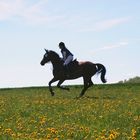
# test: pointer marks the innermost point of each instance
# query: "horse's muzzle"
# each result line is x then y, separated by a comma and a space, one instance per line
42, 64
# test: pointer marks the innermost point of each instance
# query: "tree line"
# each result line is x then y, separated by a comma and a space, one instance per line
131, 80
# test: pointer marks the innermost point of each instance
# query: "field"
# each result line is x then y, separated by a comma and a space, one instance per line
106, 112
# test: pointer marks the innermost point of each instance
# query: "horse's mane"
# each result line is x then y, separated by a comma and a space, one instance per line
56, 55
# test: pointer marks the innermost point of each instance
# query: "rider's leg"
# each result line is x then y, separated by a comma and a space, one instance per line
67, 61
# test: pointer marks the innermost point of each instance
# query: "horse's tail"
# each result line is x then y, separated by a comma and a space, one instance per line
101, 69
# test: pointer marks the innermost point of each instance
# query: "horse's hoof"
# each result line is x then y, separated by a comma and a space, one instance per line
81, 95
77, 97
52, 93
67, 89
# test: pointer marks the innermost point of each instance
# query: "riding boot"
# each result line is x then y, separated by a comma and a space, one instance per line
67, 71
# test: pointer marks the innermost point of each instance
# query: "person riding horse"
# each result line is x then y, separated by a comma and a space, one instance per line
67, 57
85, 69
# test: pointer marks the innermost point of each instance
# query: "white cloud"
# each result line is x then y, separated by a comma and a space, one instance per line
31, 13
35, 12
118, 45
106, 24
113, 46
111, 23
28, 12
8, 8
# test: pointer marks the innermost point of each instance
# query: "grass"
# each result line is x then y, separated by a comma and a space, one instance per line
106, 112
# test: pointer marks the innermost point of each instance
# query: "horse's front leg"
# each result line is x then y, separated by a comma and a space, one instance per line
61, 87
50, 87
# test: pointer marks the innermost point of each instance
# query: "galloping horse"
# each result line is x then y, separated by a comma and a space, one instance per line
77, 69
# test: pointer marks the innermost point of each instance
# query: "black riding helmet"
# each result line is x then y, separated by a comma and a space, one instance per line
61, 44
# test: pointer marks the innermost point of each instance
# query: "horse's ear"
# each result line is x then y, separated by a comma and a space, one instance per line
46, 50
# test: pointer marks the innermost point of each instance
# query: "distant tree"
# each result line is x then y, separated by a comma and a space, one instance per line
131, 80
120, 82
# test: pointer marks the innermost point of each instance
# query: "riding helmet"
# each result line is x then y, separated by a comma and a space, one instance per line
61, 44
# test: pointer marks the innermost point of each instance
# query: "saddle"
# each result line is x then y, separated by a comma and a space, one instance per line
70, 68
74, 62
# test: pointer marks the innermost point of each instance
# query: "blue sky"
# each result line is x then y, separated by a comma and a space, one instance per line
101, 31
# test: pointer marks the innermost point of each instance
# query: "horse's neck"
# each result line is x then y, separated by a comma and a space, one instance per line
56, 64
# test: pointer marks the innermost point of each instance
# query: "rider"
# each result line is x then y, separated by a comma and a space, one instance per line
67, 55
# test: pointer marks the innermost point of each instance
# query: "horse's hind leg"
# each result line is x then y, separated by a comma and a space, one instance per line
83, 91
86, 86
90, 83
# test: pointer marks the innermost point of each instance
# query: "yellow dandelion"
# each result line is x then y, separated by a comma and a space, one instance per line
87, 129
8, 131
133, 134
48, 136
54, 131
43, 120
111, 137
55, 139
81, 128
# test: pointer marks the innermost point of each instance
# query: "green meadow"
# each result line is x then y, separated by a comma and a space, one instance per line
105, 112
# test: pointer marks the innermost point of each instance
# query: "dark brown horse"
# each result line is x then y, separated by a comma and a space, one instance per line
77, 69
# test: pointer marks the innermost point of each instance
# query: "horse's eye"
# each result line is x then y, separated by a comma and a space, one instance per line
46, 55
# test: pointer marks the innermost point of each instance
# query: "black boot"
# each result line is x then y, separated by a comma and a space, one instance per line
67, 71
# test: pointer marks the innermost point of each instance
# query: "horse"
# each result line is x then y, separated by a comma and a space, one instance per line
78, 69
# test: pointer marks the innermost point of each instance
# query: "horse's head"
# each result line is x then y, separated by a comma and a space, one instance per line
50, 56
46, 58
